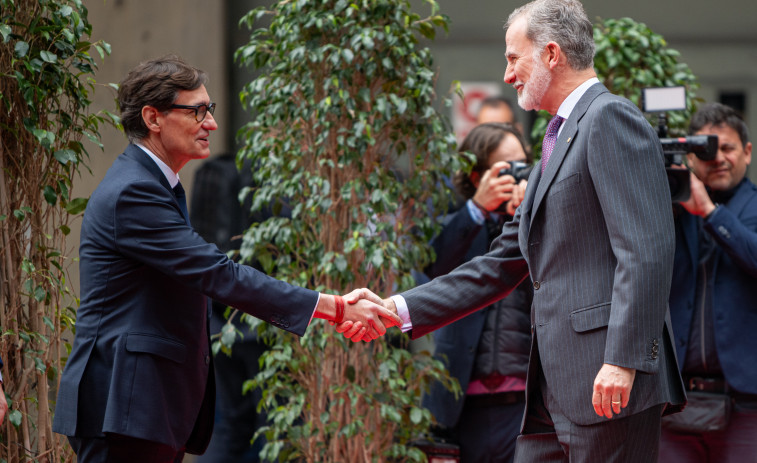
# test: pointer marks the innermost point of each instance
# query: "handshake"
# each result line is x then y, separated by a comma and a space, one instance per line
360, 315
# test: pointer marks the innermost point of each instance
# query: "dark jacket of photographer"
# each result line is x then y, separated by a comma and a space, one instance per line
714, 291
487, 343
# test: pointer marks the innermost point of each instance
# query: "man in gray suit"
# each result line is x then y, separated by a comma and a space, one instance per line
595, 233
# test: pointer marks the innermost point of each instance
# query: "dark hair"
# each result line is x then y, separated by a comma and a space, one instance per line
497, 101
154, 83
718, 114
563, 22
482, 141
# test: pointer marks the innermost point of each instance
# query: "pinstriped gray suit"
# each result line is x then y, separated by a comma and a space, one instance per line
595, 232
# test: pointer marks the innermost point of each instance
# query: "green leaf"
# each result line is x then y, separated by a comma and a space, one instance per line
48, 57
21, 49
15, 418
5, 31
40, 294
39, 364
50, 195
66, 156
48, 322
76, 206
416, 415
228, 335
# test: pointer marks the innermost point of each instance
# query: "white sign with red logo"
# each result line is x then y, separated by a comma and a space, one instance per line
464, 110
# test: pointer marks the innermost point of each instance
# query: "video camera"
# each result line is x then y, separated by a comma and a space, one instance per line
705, 147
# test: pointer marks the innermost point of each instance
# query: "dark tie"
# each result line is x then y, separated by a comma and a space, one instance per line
549, 140
181, 197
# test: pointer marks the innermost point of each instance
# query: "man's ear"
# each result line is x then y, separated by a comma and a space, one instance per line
553, 54
152, 117
748, 152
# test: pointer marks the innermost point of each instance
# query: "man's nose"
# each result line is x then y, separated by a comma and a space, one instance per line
209, 123
509, 75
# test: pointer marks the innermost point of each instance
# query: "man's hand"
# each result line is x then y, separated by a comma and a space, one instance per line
493, 190
3, 405
519, 191
366, 316
699, 203
355, 330
612, 389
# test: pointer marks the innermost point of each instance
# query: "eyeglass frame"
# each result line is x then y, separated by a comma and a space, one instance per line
209, 108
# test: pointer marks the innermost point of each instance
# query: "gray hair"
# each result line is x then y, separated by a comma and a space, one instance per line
563, 22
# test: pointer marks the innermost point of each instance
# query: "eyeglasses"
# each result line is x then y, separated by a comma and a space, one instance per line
200, 109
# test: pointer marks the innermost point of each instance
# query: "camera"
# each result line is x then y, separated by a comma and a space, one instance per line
705, 147
520, 171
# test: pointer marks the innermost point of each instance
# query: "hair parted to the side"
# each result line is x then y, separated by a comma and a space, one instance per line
482, 141
718, 114
155, 83
563, 22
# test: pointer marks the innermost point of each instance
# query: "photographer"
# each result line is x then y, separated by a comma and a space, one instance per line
486, 351
713, 301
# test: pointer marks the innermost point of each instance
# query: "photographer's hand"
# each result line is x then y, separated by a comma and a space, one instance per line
519, 192
493, 190
699, 202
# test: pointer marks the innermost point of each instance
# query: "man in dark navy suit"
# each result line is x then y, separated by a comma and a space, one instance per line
138, 385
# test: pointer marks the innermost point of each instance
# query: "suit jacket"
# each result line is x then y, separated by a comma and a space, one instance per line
734, 299
141, 362
596, 234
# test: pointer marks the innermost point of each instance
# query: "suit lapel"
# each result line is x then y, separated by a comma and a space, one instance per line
563, 144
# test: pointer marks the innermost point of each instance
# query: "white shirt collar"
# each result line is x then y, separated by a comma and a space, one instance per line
570, 102
171, 176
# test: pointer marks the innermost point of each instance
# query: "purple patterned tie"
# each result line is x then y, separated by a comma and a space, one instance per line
549, 140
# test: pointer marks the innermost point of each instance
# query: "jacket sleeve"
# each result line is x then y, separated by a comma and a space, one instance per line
736, 237
469, 287
150, 229
628, 174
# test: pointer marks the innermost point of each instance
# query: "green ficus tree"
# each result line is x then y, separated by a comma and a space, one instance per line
345, 134
46, 80
630, 57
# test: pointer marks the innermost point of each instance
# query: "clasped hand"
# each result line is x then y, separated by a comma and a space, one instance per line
368, 330
366, 317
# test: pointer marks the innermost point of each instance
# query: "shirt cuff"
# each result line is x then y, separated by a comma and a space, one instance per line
314, 308
475, 212
403, 313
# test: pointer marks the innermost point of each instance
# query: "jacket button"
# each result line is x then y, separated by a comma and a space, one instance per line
537, 285
207, 360
655, 349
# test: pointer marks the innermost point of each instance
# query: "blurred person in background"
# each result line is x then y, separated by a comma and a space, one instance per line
486, 351
498, 108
